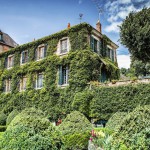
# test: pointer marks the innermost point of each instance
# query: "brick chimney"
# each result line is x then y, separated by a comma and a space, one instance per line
68, 26
99, 26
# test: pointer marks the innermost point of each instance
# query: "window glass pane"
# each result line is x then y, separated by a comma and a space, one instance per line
39, 81
63, 46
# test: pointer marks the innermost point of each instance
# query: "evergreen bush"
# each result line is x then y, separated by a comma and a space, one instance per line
76, 129
30, 130
134, 127
115, 120
3, 118
11, 116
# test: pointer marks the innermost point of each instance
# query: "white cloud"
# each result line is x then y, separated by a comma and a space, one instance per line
80, 2
124, 1
123, 61
113, 27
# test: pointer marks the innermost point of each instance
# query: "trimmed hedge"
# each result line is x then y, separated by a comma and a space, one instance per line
109, 100
133, 124
3, 118
115, 120
30, 130
3, 128
11, 116
75, 131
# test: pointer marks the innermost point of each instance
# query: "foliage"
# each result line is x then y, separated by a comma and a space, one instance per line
1, 135
109, 100
11, 116
115, 120
3, 128
81, 102
30, 130
135, 32
3, 118
77, 140
77, 128
134, 126
140, 68
84, 66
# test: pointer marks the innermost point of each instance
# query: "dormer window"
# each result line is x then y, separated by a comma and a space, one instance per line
1, 35
41, 52
24, 57
10, 61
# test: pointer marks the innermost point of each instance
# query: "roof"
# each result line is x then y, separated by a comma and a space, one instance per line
56, 35
7, 40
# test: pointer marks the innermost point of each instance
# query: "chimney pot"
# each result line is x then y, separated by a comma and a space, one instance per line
68, 25
99, 26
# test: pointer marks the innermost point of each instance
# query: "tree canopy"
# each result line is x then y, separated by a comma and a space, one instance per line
135, 34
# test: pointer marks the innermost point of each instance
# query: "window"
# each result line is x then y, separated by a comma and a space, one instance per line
63, 46
95, 44
39, 81
110, 53
41, 52
7, 86
10, 61
1, 37
63, 75
23, 84
24, 57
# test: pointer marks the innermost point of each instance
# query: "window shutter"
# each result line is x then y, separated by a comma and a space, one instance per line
13, 61
4, 85
100, 48
92, 42
23, 57
6, 62
35, 54
60, 75
45, 50
112, 55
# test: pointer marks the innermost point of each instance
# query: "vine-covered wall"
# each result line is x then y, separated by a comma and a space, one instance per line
84, 66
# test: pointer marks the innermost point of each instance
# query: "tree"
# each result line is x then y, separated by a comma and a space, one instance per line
140, 68
135, 34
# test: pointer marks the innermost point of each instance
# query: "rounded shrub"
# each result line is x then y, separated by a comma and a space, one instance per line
3, 118
30, 130
75, 131
132, 125
11, 116
115, 120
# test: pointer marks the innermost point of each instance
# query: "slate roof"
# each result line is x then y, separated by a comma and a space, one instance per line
7, 40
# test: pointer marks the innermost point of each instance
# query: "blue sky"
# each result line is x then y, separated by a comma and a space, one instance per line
25, 20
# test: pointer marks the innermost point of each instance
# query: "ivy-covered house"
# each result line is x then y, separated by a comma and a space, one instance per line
70, 58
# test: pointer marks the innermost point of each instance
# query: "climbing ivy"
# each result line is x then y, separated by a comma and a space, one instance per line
84, 66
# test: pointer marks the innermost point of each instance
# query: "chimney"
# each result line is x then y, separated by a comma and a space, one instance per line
99, 26
68, 26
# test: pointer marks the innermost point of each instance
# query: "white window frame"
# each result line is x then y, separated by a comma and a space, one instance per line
8, 61
40, 53
21, 57
23, 84
59, 46
8, 85
37, 80
110, 54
